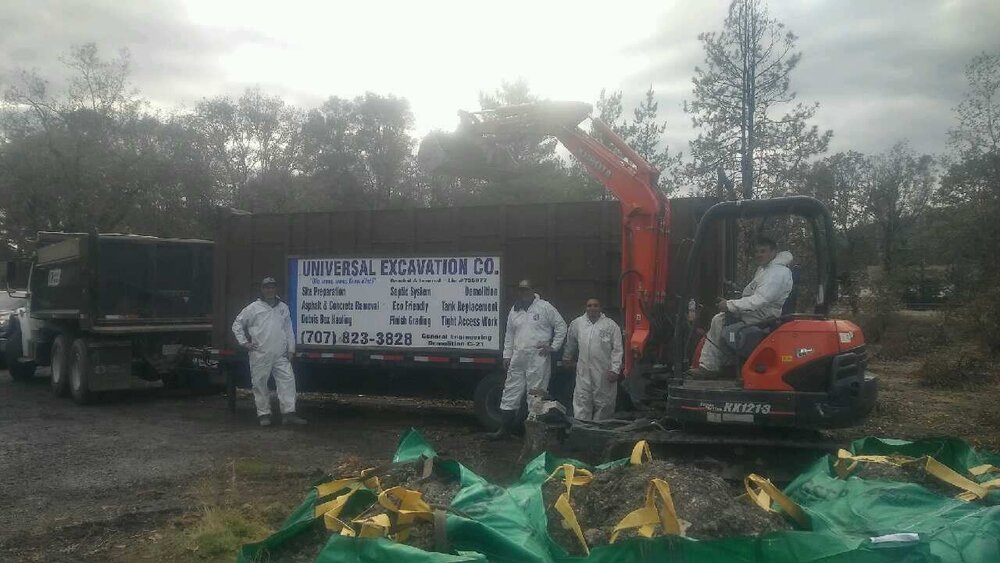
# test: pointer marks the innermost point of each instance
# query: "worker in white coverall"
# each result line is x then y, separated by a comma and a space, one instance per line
762, 299
535, 330
264, 328
594, 346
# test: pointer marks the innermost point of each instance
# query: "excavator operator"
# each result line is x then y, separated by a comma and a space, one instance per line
762, 299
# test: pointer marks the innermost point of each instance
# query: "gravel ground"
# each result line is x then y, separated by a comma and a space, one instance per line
72, 475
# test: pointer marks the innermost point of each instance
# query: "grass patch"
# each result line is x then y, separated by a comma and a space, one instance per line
249, 468
886, 409
220, 532
276, 513
241, 501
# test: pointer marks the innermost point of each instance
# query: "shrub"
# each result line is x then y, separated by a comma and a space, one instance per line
958, 368
875, 311
982, 313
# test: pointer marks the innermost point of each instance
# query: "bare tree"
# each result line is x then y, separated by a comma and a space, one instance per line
899, 186
971, 186
978, 130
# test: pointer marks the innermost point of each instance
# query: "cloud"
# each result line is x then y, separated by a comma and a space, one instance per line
172, 59
890, 71
882, 71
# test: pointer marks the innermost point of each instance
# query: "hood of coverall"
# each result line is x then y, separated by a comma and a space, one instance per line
784, 258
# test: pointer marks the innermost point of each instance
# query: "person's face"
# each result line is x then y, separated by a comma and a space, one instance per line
763, 254
525, 294
593, 309
268, 291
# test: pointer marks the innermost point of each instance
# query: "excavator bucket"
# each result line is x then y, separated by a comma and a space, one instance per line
486, 143
542, 117
463, 155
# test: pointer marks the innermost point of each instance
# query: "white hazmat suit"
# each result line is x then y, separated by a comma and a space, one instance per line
269, 329
598, 348
762, 299
540, 324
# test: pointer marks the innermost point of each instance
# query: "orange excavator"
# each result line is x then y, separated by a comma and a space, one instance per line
801, 370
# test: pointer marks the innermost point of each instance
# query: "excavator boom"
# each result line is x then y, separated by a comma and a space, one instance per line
479, 148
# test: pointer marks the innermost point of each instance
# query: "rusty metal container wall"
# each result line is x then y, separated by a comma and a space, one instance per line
571, 251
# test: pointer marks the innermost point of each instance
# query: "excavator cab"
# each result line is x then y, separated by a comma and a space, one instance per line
802, 370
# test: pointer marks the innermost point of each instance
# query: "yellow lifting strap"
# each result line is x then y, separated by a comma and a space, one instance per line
570, 521
409, 508
640, 453
375, 527
846, 463
983, 469
408, 505
650, 516
335, 524
366, 478
762, 492
410, 502
330, 510
989, 486
572, 475
944, 473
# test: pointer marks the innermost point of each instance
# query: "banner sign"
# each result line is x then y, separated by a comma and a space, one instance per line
445, 302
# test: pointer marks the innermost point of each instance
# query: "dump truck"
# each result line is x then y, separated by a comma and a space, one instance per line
112, 312
413, 302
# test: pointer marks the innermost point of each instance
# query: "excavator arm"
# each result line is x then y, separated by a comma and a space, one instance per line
478, 149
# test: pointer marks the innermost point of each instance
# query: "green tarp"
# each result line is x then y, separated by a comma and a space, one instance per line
853, 520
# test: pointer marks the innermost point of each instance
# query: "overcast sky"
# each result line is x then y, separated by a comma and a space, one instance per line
882, 70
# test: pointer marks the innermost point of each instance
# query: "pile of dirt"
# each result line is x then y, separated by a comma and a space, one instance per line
905, 474
707, 505
438, 491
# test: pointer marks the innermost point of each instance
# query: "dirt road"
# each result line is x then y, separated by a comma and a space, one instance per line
75, 480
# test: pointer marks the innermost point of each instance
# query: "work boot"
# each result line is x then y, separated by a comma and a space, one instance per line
264, 419
292, 418
506, 422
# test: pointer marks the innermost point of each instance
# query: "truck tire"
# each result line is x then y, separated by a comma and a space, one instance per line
19, 371
487, 399
61, 365
80, 372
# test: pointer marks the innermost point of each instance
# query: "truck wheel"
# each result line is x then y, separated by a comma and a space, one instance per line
61, 365
487, 399
80, 372
19, 371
